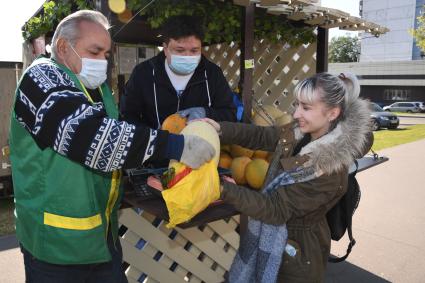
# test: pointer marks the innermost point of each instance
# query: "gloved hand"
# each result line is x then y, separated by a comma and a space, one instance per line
193, 113
196, 151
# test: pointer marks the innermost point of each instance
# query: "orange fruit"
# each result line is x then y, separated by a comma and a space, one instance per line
255, 173
174, 123
125, 16
225, 160
238, 169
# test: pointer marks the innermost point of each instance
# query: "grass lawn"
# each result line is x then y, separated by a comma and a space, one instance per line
408, 114
390, 138
7, 221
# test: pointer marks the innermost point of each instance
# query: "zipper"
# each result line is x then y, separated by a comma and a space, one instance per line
178, 103
179, 94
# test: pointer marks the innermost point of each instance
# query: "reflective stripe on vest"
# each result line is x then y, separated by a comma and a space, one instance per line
65, 222
113, 196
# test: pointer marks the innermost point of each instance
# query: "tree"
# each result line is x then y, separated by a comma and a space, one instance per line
344, 49
419, 32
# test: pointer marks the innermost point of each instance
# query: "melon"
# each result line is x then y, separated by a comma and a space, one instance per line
260, 154
207, 132
225, 147
238, 169
255, 173
268, 115
174, 124
238, 151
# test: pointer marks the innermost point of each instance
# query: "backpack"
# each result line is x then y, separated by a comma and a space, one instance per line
340, 216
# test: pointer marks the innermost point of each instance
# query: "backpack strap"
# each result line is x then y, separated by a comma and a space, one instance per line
335, 259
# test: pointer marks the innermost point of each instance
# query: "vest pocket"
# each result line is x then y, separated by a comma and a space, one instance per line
71, 240
72, 223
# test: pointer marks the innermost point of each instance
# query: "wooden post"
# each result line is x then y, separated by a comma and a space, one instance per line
322, 50
247, 59
245, 82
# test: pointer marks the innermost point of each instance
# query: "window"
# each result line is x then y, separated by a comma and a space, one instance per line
397, 94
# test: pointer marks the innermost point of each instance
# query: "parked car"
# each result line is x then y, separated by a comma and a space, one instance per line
421, 105
383, 119
409, 107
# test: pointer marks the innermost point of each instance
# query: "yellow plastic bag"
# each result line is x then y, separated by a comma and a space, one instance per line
193, 193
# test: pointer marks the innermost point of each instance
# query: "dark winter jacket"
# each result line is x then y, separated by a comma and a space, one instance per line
302, 206
207, 88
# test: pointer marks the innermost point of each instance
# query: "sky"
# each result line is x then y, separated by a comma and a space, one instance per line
15, 13
349, 6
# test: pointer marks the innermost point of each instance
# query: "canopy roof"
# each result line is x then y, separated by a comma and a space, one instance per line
312, 14
306, 12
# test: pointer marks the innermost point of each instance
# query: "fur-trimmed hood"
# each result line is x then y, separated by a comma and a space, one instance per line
338, 148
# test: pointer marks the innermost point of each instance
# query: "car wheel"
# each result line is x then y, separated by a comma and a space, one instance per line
375, 125
388, 110
409, 111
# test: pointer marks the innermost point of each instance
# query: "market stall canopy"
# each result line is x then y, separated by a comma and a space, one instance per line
304, 12
310, 13
299, 12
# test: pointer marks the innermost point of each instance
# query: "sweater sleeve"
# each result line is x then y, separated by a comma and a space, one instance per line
59, 116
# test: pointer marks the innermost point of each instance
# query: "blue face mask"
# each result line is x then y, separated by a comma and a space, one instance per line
184, 65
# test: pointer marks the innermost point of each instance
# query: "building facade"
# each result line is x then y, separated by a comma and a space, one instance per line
389, 81
391, 67
397, 44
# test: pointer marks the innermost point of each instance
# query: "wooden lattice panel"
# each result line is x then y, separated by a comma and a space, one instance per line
278, 67
158, 254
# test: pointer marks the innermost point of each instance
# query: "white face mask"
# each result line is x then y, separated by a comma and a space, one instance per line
184, 65
93, 71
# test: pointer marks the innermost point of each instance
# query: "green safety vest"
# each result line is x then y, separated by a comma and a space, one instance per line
63, 209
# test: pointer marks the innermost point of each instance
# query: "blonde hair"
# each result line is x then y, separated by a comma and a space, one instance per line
335, 91
69, 29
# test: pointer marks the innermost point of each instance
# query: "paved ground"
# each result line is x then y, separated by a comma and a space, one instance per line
389, 226
11, 261
409, 120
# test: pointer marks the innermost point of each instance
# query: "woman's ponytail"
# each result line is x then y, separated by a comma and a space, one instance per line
352, 87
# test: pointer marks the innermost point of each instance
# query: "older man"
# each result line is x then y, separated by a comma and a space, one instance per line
179, 79
66, 151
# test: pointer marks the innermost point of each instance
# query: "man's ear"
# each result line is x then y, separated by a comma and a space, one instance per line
165, 48
62, 47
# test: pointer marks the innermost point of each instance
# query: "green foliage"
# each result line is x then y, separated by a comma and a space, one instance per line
419, 33
53, 12
344, 49
221, 20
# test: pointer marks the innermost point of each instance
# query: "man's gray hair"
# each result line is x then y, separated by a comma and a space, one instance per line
69, 29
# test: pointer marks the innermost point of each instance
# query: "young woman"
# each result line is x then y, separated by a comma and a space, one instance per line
306, 177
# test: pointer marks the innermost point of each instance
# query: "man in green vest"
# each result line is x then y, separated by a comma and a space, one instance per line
67, 149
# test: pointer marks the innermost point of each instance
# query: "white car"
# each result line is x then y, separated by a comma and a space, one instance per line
409, 107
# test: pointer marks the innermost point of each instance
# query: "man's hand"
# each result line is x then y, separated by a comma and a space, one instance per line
196, 151
193, 113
